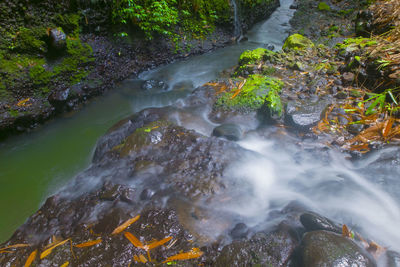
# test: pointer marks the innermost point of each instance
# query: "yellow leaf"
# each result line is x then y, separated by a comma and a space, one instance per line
136, 258
31, 258
194, 253
136, 242
125, 225
49, 250
65, 264
22, 103
16, 246
88, 243
142, 258
6, 251
158, 243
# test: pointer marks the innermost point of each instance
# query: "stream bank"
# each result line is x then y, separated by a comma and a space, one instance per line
197, 193
57, 57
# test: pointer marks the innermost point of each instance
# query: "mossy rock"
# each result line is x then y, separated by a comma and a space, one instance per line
322, 6
297, 42
69, 23
255, 56
256, 92
30, 41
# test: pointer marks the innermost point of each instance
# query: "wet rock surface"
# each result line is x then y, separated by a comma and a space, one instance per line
322, 248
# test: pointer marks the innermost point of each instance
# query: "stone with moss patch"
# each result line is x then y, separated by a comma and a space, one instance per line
297, 42
257, 91
255, 56
30, 41
322, 6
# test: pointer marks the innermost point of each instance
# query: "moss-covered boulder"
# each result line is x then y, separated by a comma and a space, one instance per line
255, 56
297, 42
258, 90
322, 6
31, 41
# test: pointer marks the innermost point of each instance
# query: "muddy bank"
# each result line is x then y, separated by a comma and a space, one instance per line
56, 57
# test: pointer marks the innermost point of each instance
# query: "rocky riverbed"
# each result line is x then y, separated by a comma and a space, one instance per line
163, 188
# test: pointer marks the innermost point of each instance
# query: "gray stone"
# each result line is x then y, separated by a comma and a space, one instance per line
58, 39
229, 130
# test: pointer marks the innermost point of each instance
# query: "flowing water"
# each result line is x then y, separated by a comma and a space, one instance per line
362, 194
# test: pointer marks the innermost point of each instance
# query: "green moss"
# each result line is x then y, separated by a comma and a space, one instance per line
358, 42
39, 75
30, 41
79, 55
13, 113
297, 42
257, 91
255, 56
322, 6
69, 23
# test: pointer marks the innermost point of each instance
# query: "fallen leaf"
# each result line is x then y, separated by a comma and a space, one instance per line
47, 252
125, 225
16, 246
158, 243
345, 231
22, 103
88, 243
142, 258
31, 258
65, 264
194, 253
6, 251
136, 242
387, 126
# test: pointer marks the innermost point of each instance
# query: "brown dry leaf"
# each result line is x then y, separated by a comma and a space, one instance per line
158, 243
31, 258
47, 252
362, 148
88, 243
23, 103
136, 242
194, 253
125, 225
375, 249
345, 231
387, 127
6, 251
65, 264
15, 246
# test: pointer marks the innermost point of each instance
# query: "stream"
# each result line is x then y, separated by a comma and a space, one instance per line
362, 193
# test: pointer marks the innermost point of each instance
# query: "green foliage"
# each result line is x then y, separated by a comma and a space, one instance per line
358, 42
379, 102
172, 18
257, 91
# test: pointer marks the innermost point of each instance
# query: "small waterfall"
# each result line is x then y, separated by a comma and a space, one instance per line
238, 27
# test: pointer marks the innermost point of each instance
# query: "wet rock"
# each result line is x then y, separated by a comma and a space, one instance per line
58, 99
154, 85
363, 25
58, 39
239, 231
393, 259
229, 130
323, 248
312, 222
348, 78
146, 194
110, 192
263, 249
355, 128
303, 115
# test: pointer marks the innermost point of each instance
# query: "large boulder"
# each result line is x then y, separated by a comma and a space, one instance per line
323, 248
297, 42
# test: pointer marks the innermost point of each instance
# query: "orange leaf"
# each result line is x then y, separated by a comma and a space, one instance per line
88, 243
16, 246
158, 243
136, 258
47, 252
345, 231
142, 258
136, 242
194, 253
65, 264
31, 258
6, 251
22, 103
387, 126
125, 225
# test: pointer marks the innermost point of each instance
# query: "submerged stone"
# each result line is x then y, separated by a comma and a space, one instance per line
229, 130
